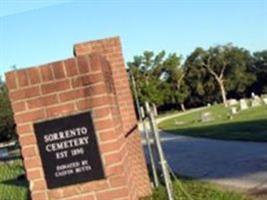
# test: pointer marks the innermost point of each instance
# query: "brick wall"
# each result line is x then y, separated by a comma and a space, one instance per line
95, 81
111, 49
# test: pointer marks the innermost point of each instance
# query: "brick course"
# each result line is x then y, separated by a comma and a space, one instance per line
111, 49
94, 80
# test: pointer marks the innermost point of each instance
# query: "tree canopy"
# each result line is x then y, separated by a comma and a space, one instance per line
205, 76
159, 78
220, 68
7, 125
259, 68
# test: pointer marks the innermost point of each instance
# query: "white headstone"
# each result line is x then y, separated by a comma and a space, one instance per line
179, 122
232, 102
264, 98
206, 117
243, 104
256, 101
233, 110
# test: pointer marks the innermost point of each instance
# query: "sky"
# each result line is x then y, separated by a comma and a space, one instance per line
42, 31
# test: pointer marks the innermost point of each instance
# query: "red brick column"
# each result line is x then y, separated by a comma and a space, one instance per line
68, 87
111, 49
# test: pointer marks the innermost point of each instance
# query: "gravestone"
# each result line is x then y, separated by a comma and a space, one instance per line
243, 104
207, 117
256, 101
232, 102
233, 110
77, 128
264, 99
177, 122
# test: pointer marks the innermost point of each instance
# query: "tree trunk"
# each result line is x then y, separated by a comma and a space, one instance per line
223, 92
182, 107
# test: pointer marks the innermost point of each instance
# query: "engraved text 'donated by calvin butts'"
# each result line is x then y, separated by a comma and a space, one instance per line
69, 150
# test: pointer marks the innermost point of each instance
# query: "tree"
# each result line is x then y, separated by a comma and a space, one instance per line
215, 61
175, 78
144, 69
259, 67
200, 82
159, 80
227, 65
238, 77
7, 124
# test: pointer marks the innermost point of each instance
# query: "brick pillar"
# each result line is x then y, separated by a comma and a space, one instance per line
68, 87
111, 49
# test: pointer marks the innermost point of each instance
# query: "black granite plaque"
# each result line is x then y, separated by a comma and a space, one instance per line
69, 150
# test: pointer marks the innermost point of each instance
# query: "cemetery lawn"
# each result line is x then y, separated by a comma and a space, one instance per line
246, 125
10, 187
196, 190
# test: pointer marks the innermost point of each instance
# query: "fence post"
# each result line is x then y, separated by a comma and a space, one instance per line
163, 162
141, 115
150, 152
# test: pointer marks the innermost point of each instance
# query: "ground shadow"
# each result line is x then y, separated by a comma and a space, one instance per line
10, 158
255, 130
19, 181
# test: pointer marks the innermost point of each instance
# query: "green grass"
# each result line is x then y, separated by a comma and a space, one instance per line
198, 190
13, 189
10, 187
247, 125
